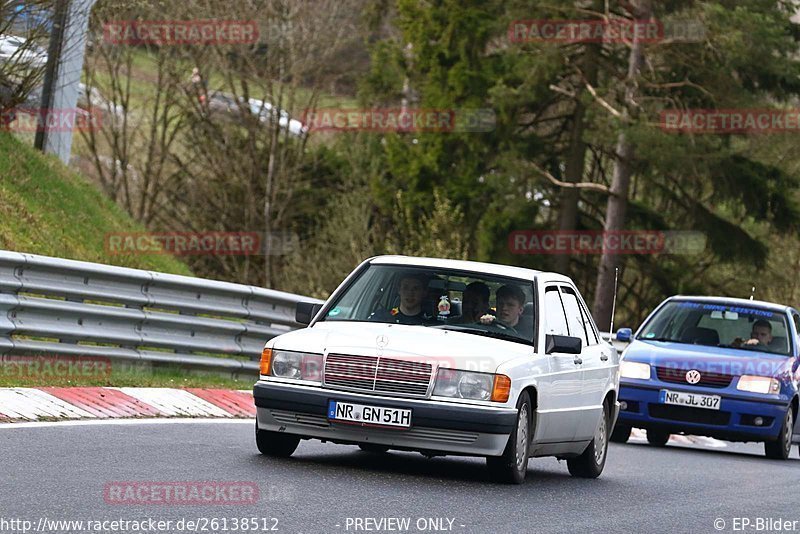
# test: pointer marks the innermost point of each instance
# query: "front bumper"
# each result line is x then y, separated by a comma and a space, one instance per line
437, 427
734, 421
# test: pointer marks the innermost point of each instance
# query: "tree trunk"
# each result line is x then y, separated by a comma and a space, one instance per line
576, 153
620, 183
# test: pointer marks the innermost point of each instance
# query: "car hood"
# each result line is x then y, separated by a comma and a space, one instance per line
439, 347
709, 359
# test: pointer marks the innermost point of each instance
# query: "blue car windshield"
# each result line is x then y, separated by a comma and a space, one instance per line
473, 303
719, 324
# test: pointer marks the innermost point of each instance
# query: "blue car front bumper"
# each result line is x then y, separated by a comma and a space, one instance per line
642, 407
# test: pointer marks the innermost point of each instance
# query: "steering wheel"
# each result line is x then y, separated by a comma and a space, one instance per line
500, 325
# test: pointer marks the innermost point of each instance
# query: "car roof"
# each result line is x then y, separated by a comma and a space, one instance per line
737, 301
463, 265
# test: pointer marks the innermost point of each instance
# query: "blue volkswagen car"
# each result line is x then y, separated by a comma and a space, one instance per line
712, 366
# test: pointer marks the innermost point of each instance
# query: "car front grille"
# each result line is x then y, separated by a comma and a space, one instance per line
378, 374
688, 414
420, 433
707, 379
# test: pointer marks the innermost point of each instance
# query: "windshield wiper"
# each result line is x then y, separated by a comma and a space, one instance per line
662, 339
755, 348
481, 332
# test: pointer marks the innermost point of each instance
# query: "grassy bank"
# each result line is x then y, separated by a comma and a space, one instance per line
45, 208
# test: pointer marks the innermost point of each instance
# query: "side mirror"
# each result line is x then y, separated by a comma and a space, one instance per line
565, 344
624, 335
305, 311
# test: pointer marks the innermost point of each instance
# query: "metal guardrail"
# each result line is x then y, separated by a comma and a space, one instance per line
55, 306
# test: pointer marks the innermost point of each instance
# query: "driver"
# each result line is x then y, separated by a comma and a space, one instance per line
760, 334
412, 293
510, 305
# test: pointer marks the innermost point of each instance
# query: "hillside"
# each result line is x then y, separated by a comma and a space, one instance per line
45, 208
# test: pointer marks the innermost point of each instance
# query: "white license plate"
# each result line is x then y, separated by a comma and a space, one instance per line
696, 400
368, 415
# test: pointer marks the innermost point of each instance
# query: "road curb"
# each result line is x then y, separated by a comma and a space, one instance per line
57, 403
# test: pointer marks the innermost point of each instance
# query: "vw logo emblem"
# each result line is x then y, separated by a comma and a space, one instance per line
693, 376
381, 341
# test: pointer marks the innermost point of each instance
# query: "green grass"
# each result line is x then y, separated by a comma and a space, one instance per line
47, 209
12, 375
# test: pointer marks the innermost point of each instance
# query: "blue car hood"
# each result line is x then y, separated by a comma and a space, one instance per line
721, 360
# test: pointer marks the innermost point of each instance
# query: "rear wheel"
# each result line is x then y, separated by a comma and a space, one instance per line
621, 433
592, 461
782, 447
276, 444
371, 447
658, 438
513, 464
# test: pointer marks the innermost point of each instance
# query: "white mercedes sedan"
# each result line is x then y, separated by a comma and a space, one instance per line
444, 357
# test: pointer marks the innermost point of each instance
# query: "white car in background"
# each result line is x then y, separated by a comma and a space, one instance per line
406, 354
90, 101
90, 98
266, 112
21, 52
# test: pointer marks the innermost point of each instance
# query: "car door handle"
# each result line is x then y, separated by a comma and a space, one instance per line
577, 361
604, 357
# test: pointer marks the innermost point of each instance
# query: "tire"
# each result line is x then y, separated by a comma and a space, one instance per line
657, 438
592, 461
782, 447
510, 468
276, 444
621, 434
373, 448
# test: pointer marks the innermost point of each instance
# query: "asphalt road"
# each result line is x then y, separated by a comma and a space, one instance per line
60, 473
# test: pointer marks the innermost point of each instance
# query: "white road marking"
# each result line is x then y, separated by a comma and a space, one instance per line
639, 435
92, 422
33, 404
175, 402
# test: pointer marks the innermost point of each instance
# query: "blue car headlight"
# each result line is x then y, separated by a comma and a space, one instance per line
634, 370
758, 384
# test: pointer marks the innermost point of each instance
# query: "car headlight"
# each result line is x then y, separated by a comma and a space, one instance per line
634, 370
297, 365
470, 385
758, 384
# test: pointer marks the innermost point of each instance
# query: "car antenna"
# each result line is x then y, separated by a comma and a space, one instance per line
613, 304
752, 292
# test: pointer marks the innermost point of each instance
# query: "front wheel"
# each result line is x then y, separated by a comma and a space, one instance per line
373, 448
782, 447
592, 461
621, 433
513, 464
276, 444
658, 438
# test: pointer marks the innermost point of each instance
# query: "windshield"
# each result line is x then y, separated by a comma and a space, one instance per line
719, 325
473, 303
